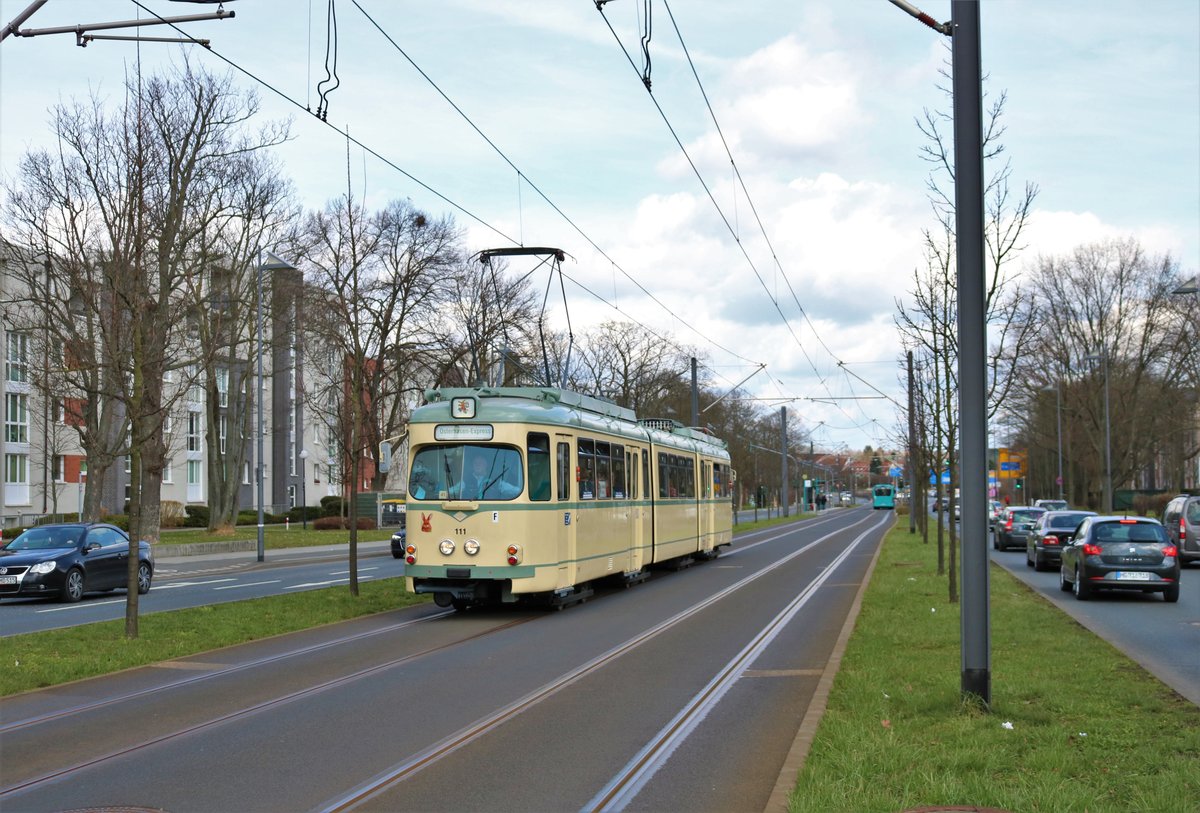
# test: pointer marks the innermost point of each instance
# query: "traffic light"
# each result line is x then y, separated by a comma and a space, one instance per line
1020, 482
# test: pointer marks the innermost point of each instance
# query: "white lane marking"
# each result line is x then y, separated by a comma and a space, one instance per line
174, 585
326, 583
248, 584
82, 606
347, 571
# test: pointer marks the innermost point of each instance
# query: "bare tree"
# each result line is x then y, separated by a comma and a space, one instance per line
1110, 302
124, 202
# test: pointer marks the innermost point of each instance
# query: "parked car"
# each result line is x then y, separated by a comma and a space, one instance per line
1045, 540
67, 560
1014, 523
1181, 518
846, 498
1052, 505
995, 508
1120, 553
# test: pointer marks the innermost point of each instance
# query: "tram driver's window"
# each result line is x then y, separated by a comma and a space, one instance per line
538, 461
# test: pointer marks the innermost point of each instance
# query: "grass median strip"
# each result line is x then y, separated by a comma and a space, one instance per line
41, 659
1074, 724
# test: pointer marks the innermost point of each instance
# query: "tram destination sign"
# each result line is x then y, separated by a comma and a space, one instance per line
462, 431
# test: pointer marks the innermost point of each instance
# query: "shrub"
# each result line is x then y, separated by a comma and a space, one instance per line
331, 506
120, 520
197, 516
301, 512
173, 515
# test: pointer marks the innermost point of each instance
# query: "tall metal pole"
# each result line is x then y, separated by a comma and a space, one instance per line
695, 396
968, 204
1058, 406
258, 397
912, 451
1108, 486
783, 445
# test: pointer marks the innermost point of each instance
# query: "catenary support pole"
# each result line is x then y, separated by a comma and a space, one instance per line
966, 62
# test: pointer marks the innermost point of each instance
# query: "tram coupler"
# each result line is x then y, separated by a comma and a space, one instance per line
635, 577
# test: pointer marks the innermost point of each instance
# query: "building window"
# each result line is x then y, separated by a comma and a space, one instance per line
16, 469
195, 388
58, 469
128, 464
16, 417
168, 424
222, 424
167, 476
193, 437
291, 495
292, 459
58, 410
246, 473
193, 472
16, 359
223, 386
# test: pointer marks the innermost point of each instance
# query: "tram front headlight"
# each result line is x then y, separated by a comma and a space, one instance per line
471, 546
446, 546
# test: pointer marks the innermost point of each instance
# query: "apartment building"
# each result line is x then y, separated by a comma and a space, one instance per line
45, 470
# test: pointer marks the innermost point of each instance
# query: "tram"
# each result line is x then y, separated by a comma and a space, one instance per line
883, 496
519, 493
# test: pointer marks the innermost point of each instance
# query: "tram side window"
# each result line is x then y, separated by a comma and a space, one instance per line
539, 466
603, 471
646, 470
687, 486
618, 471
664, 476
631, 467
564, 471
587, 469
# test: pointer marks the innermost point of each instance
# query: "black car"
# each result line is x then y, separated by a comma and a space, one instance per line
1044, 541
1013, 524
400, 537
65, 561
1120, 553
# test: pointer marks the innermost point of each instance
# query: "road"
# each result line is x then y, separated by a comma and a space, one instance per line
1164, 638
682, 693
194, 581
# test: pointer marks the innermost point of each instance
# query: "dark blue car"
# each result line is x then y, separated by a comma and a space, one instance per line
65, 561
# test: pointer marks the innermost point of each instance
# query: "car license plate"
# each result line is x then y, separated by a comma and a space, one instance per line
1132, 576
8, 579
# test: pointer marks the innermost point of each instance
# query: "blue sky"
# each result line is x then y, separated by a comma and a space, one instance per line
817, 100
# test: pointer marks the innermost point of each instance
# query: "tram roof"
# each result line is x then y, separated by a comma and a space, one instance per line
551, 397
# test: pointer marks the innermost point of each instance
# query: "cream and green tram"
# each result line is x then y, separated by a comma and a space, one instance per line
534, 492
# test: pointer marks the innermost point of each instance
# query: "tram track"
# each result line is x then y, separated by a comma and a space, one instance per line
626, 785
108, 702
384, 781
67, 772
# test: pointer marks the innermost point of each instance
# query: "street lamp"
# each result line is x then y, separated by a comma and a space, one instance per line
1102, 357
303, 499
1058, 410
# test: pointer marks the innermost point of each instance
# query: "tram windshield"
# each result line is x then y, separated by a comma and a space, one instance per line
466, 471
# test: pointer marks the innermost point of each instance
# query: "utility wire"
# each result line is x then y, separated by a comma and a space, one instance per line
342, 133
540, 193
754, 209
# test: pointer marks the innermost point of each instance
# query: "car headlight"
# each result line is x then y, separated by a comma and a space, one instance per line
446, 547
43, 567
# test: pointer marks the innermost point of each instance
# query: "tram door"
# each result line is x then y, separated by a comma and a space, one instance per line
566, 517
639, 512
704, 494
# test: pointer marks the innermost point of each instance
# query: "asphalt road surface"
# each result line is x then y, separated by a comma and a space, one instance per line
1164, 638
682, 693
200, 581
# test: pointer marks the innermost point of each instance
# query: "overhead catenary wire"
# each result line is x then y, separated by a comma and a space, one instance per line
522, 176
